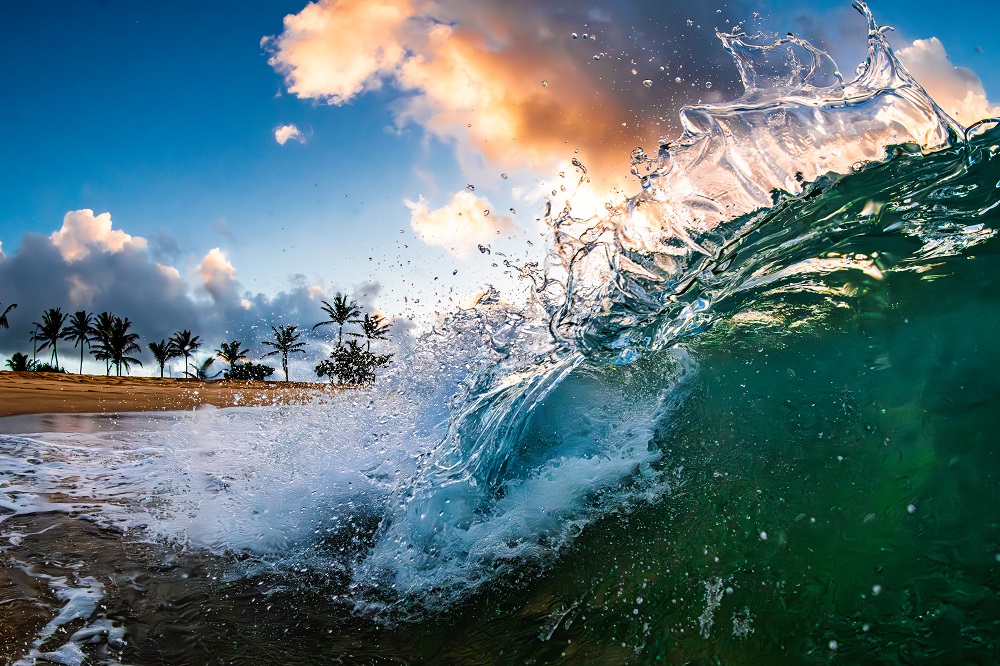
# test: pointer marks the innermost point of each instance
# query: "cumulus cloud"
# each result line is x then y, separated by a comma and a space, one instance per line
459, 225
218, 276
83, 232
287, 133
957, 90
506, 79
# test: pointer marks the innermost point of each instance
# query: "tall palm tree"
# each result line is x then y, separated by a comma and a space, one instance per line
49, 331
201, 371
3, 316
185, 344
79, 332
163, 351
100, 340
374, 328
231, 353
343, 311
117, 344
286, 341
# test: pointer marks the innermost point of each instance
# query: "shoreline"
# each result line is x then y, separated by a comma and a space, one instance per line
56, 393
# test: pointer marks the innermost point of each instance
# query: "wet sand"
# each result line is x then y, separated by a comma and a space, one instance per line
54, 393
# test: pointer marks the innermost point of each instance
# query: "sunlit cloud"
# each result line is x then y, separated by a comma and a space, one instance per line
458, 226
82, 232
287, 133
957, 90
218, 276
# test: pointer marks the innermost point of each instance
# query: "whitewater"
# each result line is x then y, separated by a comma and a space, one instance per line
747, 414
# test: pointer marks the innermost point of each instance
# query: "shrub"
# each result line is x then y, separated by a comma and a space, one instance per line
249, 372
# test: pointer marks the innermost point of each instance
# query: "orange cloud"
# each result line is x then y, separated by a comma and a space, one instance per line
957, 90
218, 276
512, 91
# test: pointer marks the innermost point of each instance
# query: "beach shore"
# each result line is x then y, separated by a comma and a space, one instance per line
55, 393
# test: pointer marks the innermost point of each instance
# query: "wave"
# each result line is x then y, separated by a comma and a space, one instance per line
507, 429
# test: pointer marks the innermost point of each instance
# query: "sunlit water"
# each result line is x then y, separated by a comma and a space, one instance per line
750, 417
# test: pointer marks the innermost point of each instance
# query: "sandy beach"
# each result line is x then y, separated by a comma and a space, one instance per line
54, 393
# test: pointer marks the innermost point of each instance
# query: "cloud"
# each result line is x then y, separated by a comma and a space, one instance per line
218, 276
82, 233
505, 79
288, 132
957, 90
459, 225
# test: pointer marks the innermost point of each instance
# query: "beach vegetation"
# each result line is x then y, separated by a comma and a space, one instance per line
185, 343
49, 331
4, 323
352, 364
285, 342
114, 344
343, 311
163, 352
232, 353
249, 372
80, 332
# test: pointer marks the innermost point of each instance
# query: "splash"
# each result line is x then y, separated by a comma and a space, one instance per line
507, 430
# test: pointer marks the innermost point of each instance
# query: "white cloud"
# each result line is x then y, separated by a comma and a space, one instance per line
957, 90
82, 233
288, 132
218, 276
458, 226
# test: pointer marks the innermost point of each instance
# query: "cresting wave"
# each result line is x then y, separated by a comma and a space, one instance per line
508, 429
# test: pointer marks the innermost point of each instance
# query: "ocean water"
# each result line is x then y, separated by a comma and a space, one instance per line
749, 416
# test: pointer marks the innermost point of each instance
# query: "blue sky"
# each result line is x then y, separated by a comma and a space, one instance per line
163, 115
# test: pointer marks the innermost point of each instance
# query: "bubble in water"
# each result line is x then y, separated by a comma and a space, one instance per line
763, 536
876, 590
708, 84
647, 83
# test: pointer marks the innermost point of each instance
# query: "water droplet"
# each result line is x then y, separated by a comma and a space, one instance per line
677, 80
690, 22
513, 211
876, 590
708, 84
911, 508
545, 83
486, 213
662, 68
634, 72
763, 536
833, 645
504, 176
576, 36
470, 187
586, 36
597, 56
647, 83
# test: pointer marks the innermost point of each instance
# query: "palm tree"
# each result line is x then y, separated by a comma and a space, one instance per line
201, 371
374, 328
101, 338
116, 343
185, 344
80, 332
286, 341
231, 353
3, 316
49, 331
163, 351
343, 311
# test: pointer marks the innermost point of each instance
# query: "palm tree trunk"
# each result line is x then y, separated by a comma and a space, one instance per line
284, 365
340, 335
81, 358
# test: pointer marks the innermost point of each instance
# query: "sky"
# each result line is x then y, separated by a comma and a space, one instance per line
226, 166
